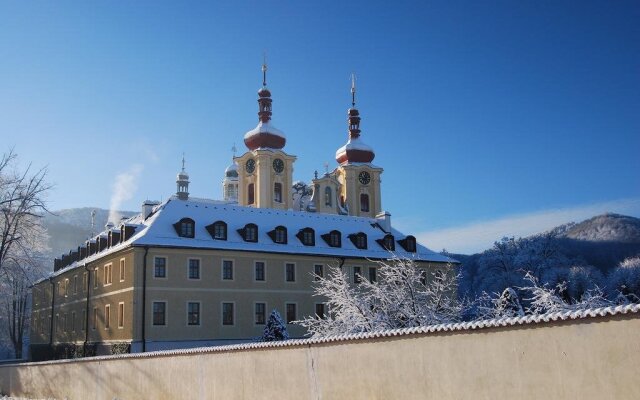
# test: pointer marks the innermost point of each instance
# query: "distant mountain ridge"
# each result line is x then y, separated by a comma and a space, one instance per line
606, 228
68, 228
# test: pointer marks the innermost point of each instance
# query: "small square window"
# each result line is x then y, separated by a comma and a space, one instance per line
194, 268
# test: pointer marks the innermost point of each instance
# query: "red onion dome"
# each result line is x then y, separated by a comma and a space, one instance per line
355, 151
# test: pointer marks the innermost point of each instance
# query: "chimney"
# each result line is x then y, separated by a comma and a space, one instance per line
147, 208
384, 220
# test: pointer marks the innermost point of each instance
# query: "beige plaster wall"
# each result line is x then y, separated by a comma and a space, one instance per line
593, 358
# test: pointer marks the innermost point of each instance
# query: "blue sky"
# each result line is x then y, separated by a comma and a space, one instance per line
489, 118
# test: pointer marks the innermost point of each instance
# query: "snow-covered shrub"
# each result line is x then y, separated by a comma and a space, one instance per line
624, 281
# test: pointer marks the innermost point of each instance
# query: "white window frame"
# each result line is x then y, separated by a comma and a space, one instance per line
121, 320
166, 313
295, 273
266, 307
166, 267
199, 268
108, 274
199, 313
285, 311
222, 303
123, 269
265, 271
107, 316
233, 267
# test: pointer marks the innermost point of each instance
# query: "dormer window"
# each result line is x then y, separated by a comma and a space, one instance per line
186, 227
218, 230
307, 236
279, 235
249, 233
333, 238
359, 240
408, 244
387, 242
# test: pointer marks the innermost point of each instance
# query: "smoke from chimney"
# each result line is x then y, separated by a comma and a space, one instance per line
123, 189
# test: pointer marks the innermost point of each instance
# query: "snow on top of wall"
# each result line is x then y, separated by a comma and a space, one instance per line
422, 330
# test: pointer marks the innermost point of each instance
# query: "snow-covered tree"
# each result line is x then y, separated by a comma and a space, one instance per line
22, 240
624, 281
402, 296
504, 305
301, 194
275, 328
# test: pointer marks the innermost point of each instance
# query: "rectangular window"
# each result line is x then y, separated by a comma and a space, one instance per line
291, 312
73, 321
318, 270
227, 269
290, 272
227, 313
84, 282
122, 269
107, 316
120, 315
277, 192
159, 312
320, 313
75, 284
372, 274
107, 274
259, 271
194, 268
160, 267
95, 317
193, 313
357, 274
220, 231
58, 326
84, 320
261, 309
95, 278
66, 287
65, 322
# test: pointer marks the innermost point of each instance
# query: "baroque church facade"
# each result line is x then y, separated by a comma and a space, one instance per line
192, 272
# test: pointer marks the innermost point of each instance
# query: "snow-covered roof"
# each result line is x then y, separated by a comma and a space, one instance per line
420, 330
354, 144
262, 128
158, 230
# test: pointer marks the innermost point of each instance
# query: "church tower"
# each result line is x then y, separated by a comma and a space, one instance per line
182, 183
359, 179
230, 181
265, 172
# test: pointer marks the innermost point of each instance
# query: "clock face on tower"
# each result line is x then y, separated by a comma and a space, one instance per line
278, 165
364, 177
250, 166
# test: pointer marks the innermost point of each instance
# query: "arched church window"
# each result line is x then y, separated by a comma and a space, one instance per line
327, 196
364, 202
250, 194
277, 192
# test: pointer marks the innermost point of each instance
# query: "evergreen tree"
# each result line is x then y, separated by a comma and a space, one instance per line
275, 329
